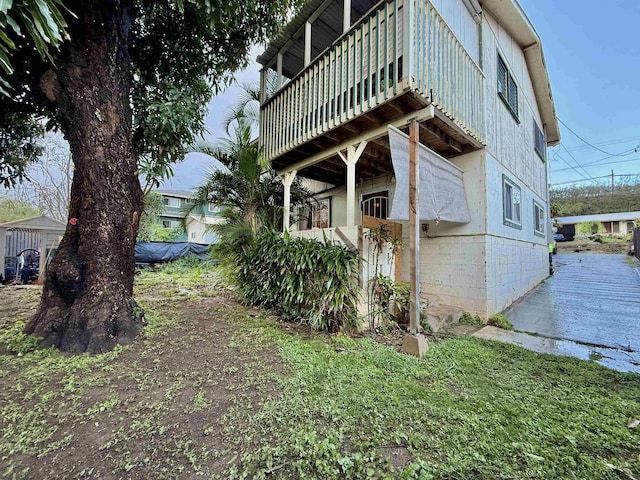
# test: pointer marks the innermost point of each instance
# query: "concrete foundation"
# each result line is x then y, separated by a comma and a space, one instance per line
415, 345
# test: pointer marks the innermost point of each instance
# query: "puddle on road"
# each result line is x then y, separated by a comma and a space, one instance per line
620, 359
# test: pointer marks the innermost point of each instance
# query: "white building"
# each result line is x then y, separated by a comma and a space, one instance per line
177, 206
472, 72
620, 223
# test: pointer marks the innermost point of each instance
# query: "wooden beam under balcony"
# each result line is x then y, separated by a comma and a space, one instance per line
420, 116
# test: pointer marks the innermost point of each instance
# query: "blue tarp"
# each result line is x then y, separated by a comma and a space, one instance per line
156, 252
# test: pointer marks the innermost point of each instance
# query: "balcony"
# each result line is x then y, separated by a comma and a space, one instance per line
398, 58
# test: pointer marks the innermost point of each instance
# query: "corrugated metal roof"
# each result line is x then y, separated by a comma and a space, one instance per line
600, 217
326, 29
41, 222
289, 30
176, 193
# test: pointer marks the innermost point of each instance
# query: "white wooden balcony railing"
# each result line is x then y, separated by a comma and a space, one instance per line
366, 67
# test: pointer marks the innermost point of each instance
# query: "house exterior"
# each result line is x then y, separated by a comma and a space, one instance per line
621, 223
472, 73
177, 204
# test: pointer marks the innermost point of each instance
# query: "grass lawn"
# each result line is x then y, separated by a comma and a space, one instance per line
214, 389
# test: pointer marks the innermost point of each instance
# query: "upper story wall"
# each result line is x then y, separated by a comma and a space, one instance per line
511, 140
462, 23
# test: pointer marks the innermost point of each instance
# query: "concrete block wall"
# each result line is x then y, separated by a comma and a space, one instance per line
513, 268
454, 269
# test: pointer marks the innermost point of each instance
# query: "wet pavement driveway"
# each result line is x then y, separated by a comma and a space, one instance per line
590, 309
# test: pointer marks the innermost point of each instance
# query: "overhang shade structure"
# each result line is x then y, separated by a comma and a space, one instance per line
441, 187
39, 233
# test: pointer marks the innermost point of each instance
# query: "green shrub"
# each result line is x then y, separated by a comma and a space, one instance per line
468, 319
590, 228
303, 279
500, 321
389, 302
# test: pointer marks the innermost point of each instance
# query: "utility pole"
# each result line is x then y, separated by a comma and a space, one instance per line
612, 183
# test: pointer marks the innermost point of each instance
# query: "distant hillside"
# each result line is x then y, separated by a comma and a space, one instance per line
11, 210
591, 199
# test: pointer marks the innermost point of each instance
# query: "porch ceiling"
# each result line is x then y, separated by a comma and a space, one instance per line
325, 30
438, 133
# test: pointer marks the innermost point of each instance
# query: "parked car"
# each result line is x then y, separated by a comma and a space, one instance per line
558, 237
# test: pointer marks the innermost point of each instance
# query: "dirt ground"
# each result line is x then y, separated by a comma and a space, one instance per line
159, 409
586, 245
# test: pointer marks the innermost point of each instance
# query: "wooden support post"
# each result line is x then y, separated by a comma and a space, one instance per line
279, 70
414, 343
346, 16
414, 228
307, 43
43, 251
3, 248
354, 152
287, 180
263, 86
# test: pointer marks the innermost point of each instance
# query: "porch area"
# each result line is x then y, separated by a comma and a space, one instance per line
396, 62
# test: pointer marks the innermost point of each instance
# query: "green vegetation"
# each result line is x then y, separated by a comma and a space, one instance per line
388, 301
303, 279
597, 198
589, 228
468, 319
11, 210
500, 321
470, 409
228, 391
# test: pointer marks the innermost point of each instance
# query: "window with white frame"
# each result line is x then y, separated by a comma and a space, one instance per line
511, 201
540, 143
211, 207
170, 223
507, 88
538, 219
171, 201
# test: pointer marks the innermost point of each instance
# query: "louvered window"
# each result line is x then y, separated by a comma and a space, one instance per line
540, 142
507, 88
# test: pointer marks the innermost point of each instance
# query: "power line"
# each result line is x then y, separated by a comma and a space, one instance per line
593, 146
592, 164
610, 142
577, 162
556, 155
595, 178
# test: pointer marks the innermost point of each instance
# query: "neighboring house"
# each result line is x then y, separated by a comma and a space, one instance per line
614, 223
473, 74
177, 204
37, 237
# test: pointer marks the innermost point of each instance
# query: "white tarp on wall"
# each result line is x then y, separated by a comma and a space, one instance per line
442, 196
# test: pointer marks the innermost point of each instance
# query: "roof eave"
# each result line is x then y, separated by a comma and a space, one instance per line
512, 17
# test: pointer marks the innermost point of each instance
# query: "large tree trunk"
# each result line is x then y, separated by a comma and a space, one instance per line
87, 302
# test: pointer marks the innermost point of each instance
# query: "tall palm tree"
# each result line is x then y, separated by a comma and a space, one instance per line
247, 105
247, 190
